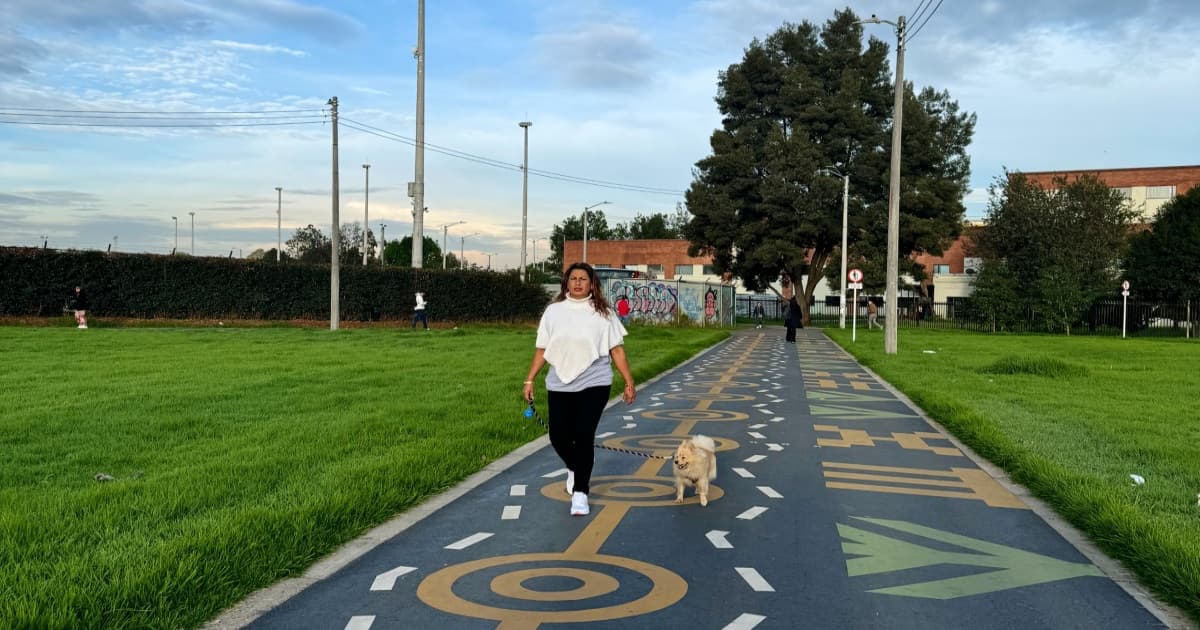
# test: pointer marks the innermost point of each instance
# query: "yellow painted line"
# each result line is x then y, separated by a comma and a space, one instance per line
916, 442
602, 526
909, 480
895, 469
988, 489
898, 490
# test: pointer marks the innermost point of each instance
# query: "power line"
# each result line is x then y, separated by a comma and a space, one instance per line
926, 21
154, 112
922, 7
145, 126
156, 118
389, 135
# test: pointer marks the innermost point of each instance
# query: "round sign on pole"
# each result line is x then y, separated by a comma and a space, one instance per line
1125, 285
855, 275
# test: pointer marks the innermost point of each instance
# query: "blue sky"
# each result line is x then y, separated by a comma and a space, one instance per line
617, 90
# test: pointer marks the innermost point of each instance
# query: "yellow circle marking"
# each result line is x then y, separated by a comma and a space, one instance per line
437, 591
663, 444
724, 384
705, 415
717, 397
594, 584
647, 491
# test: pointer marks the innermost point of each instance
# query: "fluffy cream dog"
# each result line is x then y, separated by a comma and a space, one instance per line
695, 465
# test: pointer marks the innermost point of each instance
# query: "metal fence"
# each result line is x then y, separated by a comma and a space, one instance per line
1142, 319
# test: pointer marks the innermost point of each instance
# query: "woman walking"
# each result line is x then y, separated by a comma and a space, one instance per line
578, 336
79, 302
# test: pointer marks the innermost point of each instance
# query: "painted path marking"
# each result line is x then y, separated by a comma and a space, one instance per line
511, 513
717, 538
386, 581
754, 459
745, 621
468, 541
755, 580
752, 513
743, 473
517, 490
360, 622
770, 492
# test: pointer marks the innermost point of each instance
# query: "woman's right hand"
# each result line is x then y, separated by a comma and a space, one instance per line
528, 392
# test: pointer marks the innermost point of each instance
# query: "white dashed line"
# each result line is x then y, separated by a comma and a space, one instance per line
770, 492
743, 473
631, 425
756, 435
755, 580
657, 404
757, 426
752, 513
717, 538
771, 446
767, 411
627, 417
386, 581
558, 473
608, 433
360, 622
754, 459
760, 405
469, 540
517, 490
513, 512
777, 419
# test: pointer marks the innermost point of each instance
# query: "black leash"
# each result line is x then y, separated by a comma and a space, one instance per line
531, 412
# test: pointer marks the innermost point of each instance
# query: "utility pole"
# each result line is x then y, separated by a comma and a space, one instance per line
176, 220
278, 223
585, 222
445, 253
193, 215
418, 192
366, 209
524, 195
336, 241
382, 243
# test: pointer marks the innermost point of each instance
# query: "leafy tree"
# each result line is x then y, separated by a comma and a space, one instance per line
572, 230
801, 100
1164, 262
310, 245
401, 255
654, 226
1058, 247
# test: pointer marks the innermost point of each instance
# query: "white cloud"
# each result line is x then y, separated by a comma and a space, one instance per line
258, 48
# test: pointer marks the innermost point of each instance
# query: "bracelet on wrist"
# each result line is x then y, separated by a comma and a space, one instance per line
529, 382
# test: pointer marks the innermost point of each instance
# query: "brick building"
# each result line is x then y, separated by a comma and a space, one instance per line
664, 258
1148, 188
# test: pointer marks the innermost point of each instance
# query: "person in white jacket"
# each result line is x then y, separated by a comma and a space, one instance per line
419, 312
581, 337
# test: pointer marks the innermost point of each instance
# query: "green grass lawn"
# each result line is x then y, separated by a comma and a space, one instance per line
1071, 418
240, 456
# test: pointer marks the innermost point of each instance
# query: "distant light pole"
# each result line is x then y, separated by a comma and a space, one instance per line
193, 215
829, 170
462, 258
176, 220
490, 258
893, 233
535, 256
585, 211
114, 243
524, 195
278, 223
366, 209
382, 243
445, 252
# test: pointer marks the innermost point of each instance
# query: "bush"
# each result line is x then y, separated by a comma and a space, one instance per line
36, 282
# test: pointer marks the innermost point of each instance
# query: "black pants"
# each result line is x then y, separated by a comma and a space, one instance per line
573, 420
791, 330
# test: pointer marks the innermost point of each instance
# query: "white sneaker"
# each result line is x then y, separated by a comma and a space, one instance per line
82, 326
570, 481
579, 504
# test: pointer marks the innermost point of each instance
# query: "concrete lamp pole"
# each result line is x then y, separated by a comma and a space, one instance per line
382, 243
445, 252
893, 233
490, 259
176, 220
462, 259
366, 208
193, 215
585, 211
524, 195
829, 170
535, 242
278, 223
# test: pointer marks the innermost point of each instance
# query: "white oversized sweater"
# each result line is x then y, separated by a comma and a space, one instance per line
576, 338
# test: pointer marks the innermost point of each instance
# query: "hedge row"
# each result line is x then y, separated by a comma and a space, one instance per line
38, 282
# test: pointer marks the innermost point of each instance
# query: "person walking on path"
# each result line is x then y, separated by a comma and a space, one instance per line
419, 312
872, 314
79, 302
578, 335
791, 317
758, 315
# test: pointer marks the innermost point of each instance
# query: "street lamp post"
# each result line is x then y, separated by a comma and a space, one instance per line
462, 259
278, 223
490, 258
893, 243
585, 211
535, 257
176, 220
445, 252
193, 215
366, 208
524, 195
829, 170
382, 243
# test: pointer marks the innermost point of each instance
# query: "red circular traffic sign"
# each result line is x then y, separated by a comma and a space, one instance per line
855, 275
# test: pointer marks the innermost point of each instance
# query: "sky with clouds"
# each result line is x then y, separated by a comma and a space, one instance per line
619, 91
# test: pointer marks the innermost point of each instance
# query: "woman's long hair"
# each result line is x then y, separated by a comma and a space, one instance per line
598, 301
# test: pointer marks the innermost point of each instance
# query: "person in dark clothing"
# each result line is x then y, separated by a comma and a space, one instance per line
79, 303
793, 319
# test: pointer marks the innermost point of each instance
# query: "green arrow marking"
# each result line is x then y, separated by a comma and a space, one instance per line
836, 396
882, 554
854, 413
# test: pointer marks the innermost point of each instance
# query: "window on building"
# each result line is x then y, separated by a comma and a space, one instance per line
683, 270
594, 265
655, 271
1160, 192
941, 269
1125, 192
709, 271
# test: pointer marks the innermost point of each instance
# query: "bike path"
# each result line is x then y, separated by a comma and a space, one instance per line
836, 506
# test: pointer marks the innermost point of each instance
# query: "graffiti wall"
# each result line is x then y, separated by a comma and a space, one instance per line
659, 301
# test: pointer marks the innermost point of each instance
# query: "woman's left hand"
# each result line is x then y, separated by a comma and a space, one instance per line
630, 394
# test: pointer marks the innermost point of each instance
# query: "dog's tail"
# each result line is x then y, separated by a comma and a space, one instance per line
707, 443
